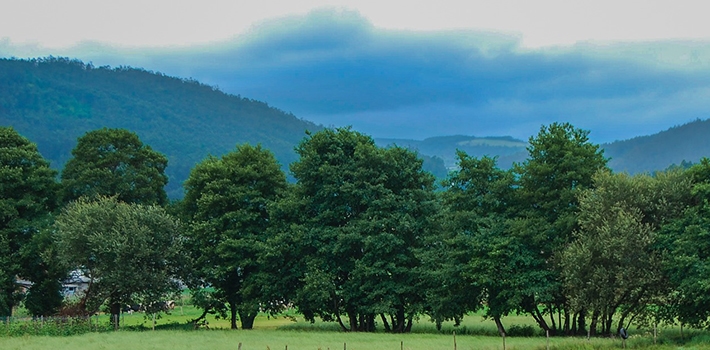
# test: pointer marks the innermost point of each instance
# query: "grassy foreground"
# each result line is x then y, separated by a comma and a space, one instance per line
296, 340
271, 333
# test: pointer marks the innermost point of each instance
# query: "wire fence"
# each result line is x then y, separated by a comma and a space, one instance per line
60, 325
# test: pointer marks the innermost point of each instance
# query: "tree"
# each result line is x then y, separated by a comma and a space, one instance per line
132, 253
561, 163
480, 262
226, 202
685, 244
611, 268
28, 192
364, 214
114, 162
42, 267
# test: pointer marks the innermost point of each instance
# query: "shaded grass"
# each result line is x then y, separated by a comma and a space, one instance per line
295, 340
173, 333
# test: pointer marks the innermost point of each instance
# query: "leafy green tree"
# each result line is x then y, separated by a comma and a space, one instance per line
131, 253
364, 214
611, 268
685, 243
28, 192
226, 202
114, 162
477, 254
561, 163
43, 268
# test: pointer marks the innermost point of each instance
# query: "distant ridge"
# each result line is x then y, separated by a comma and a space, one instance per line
445, 147
52, 101
687, 142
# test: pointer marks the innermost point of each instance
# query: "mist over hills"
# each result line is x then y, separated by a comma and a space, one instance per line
684, 143
52, 101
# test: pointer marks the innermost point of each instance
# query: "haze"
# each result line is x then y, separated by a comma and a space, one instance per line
399, 69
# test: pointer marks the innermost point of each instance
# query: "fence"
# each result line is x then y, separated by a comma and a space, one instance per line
19, 326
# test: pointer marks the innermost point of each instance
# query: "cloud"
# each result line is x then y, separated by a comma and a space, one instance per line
334, 67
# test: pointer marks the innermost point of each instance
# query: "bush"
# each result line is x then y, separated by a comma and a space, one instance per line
521, 331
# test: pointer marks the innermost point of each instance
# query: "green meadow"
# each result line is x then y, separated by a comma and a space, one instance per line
172, 332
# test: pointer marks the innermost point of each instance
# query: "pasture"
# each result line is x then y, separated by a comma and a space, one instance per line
292, 332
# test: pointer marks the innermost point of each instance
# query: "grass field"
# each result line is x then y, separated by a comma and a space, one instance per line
172, 333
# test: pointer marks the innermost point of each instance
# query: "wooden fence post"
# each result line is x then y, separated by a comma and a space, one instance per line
547, 333
455, 340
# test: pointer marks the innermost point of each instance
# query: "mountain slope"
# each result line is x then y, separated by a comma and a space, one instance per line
689, 142
55, 100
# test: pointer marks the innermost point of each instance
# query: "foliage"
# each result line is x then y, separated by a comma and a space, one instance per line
55, 100
130, 252
27, 195
481, 259
44, 269
686, 244
363, 214
561, 163
226, 202
611, 267
110, 162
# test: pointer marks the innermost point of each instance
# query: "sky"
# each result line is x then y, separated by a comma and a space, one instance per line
397, 69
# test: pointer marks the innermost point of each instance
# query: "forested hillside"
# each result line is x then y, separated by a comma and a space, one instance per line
53, 101
688, 142
645, 154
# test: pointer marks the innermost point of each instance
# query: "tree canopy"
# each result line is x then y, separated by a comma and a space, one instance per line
132, 253
363, 215
28, 192
114, 162
226, 203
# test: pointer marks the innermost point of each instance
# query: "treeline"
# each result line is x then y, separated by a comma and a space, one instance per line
55, 100
362, 237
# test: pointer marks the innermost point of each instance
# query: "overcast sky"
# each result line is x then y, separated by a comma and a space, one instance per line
405, 69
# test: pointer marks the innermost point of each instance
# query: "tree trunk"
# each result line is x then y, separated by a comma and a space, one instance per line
593, 324
353, 321
247, 318
567, 325
581, 323
499, 325
539, 318
552, 320
400, 320
115, 309
608, 323
409, 325
385, 323
233, 310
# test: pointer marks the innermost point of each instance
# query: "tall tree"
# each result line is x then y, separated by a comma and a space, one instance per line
480, 255
114, 162
28, 192
226, 202
364, 215
685, 243
132, 253
561, 163
611, 268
